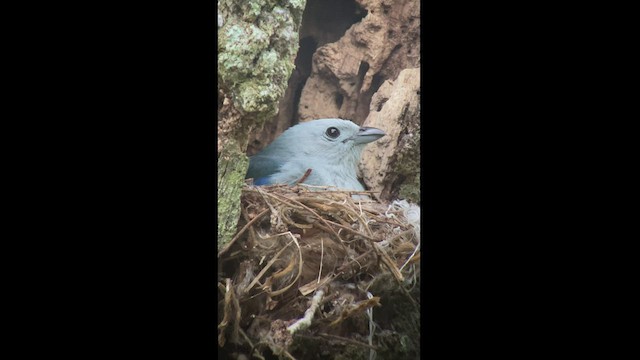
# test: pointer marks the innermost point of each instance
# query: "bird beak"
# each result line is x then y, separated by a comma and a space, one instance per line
367, 135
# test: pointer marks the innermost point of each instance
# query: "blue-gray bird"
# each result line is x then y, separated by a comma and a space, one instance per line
331, 148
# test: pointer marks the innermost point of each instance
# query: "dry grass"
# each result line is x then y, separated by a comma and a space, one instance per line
293, 242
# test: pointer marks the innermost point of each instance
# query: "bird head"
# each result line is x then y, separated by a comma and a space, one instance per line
330, 148
329, 138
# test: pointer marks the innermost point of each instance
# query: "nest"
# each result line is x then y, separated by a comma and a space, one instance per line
319, 275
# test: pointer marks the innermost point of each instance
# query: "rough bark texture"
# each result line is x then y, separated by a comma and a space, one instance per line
391, 165
348, 50
257, 44
348, 72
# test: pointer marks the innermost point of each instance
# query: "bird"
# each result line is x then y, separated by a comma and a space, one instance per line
323, 152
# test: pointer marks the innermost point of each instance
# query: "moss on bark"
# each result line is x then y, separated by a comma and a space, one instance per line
257, 46
232, 166
256, 49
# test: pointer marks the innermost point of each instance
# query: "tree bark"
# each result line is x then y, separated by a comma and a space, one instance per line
257, 45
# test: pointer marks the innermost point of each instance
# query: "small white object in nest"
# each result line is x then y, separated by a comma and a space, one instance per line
411, 213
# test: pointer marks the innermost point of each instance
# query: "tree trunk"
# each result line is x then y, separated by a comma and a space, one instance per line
257, 45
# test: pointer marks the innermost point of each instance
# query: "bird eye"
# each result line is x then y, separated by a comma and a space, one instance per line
333, 132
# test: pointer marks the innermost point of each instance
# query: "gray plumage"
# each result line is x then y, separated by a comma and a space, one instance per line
331, 148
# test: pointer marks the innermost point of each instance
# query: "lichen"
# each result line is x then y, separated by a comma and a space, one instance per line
257, 47
408, 166
410, 190
232, 167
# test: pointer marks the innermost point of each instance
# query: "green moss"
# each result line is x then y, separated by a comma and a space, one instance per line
408, 165
399, 319
232, 167
410, 189
257, 47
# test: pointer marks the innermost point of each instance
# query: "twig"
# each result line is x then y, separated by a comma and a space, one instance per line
289, 221
303, 323
347, 228
246, 338
411, 257
304, 177
227, 317
325, 222
226, 247
277, 198
359, 217
415, 304
267, 266
387, 261
311, 286
255, 348
357, 308
398, 236
321, 258
326, 188
328, 229
343, 267
300, 262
